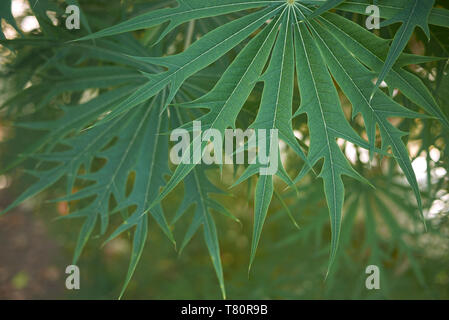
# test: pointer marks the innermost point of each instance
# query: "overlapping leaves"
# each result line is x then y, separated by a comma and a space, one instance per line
125, 126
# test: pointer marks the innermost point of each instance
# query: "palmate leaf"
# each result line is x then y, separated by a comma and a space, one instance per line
150, 172
226, 99
355, 81
268, 108
412, 14
275, 112
185, 11
228, 96
79, 79
149, 149
111, 180
72, 80
127, 124
326, 121
149, 168
72, 121
372, 50
197, 188
416, 13
198, 56
140, 147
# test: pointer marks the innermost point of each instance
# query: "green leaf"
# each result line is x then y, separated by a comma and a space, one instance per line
111, 152
199, 55
388, 9
372, 50
416, 13
327, 122
355, 81
226, 99
328, 5
197, 188
185, 11
74, 119
134, 135
262, 200
140, 236
275, 112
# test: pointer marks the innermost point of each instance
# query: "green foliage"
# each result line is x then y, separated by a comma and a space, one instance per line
416, 13
112, 150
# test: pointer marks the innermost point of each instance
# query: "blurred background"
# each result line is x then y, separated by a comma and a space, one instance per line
380, 227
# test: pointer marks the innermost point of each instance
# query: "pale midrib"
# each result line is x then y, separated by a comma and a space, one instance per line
364, 98
153, 157
282, 73
380, 60
172, 15
203, 205
125, 154
326, 131
243, 77
404, 27
254, 245
170, 76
